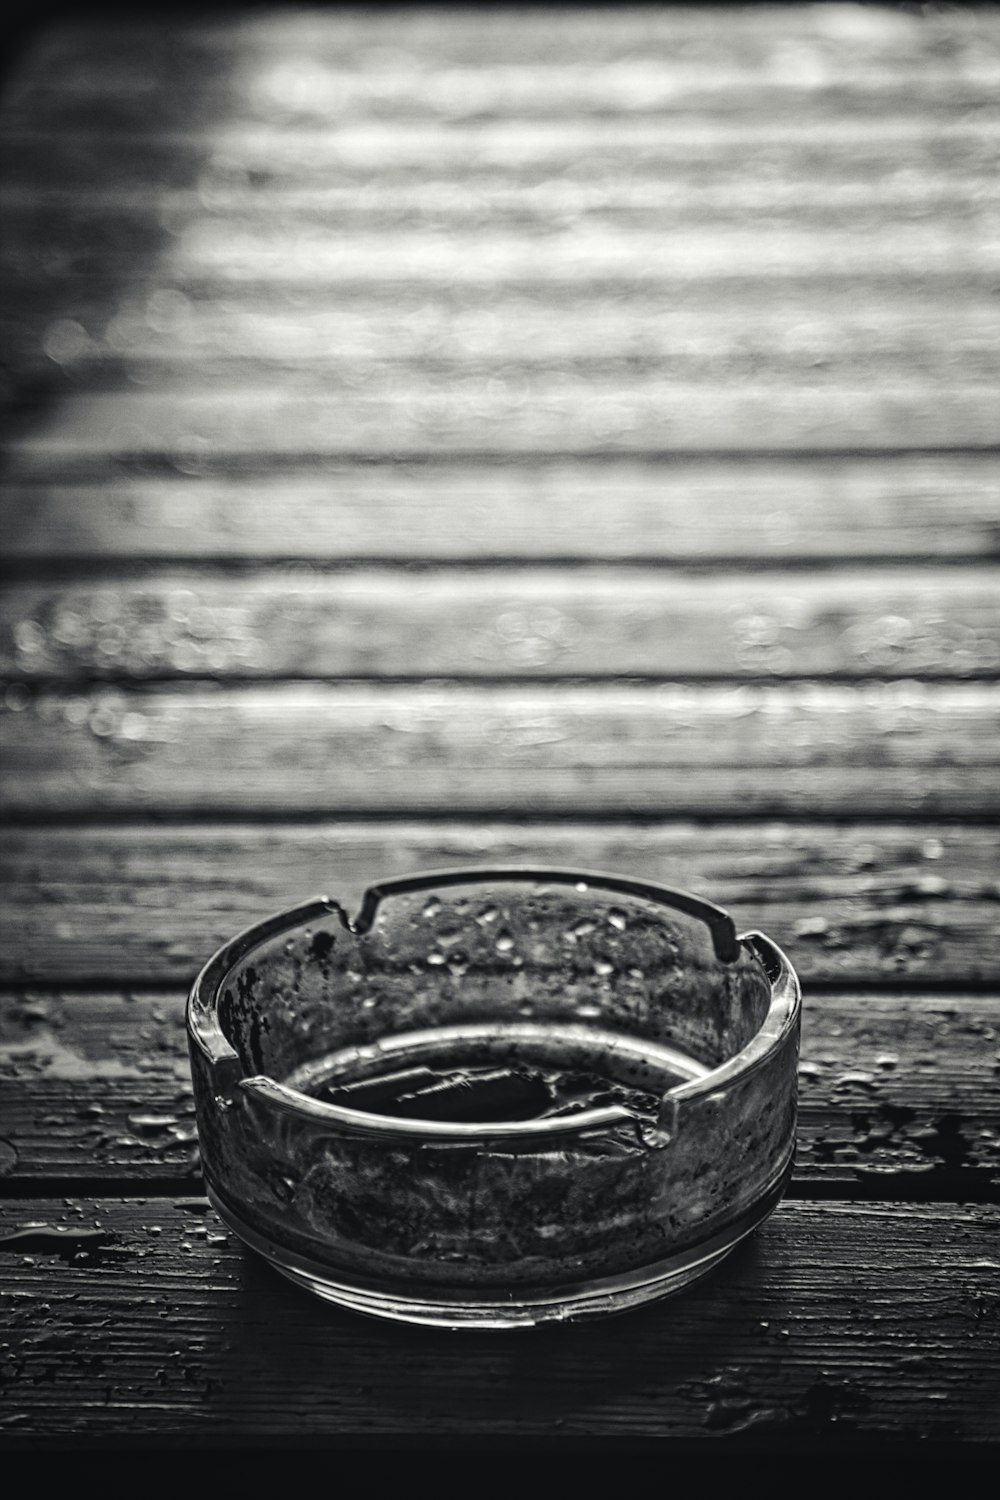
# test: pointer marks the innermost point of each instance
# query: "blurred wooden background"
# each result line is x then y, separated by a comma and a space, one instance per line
450, 436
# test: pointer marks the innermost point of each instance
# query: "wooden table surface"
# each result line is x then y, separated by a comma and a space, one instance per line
442, 437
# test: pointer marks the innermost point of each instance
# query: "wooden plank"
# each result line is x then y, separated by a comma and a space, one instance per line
66, 218
833, 1322
219, 253
164, 338
169, 334
852, 905
896, 1092
96, 1085
300, 91
592, 37
578, 149
616, 749
286, 79
467, 194
535, 413
492, 622
543, 509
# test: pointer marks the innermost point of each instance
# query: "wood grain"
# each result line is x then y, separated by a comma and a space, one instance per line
851, 904
833, 1322
696, 156
615, 749
219, 255
159, 336
269, 68
497, 622
537, 413
498, 36
465, 192
547, 509
897, 1094
456, 358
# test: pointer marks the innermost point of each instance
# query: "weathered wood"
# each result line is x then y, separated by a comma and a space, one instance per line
164, 338
614, 749
737, 509
706, 174
165, 335
496, 622
850, 904
519, 206
276, 72
693, 156
468, 194
536, 413
96, 1085
221, 254
834, 1321
496, 37
245, 254
297, 92
896, 1092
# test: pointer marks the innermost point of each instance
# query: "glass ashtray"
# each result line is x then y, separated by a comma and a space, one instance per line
496, 1097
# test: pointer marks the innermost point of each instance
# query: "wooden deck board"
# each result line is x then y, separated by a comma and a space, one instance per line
612, 748
448, 437
163, 336
852, 904
495, 622
832, 1322
540, 413
898, 1093
716, 511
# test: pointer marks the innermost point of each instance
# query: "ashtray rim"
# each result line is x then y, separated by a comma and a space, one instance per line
205, 1030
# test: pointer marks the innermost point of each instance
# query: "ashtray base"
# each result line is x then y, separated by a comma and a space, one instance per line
462, 1309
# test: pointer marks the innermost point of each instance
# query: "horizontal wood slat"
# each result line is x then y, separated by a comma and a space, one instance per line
467, 193
265, 623
302, 91
833, 1322
547, 508
221, 255
695, 157
496, 35
833, 750
849, 904
896, 1092
288, 70
163, 338
567, 439
535, 413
